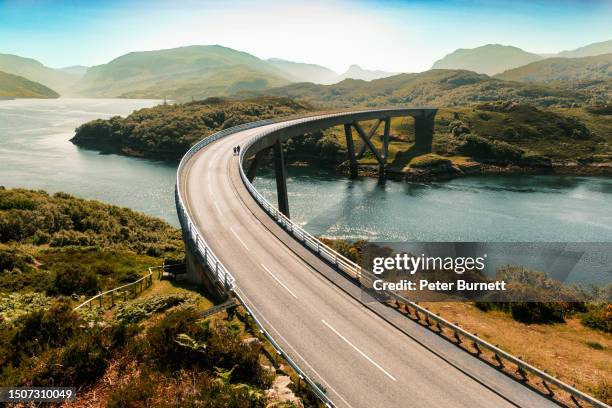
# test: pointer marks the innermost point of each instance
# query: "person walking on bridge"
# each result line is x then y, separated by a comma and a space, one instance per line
234, 150
238, 149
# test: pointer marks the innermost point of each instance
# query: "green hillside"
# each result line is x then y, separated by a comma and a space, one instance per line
194, 71
436, 87
148, 345
301, 72
489, 59
35, 71
604, 47
563, 69
167, 131
14, 86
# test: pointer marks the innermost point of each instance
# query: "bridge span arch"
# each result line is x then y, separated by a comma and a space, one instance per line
273, 138
351, 353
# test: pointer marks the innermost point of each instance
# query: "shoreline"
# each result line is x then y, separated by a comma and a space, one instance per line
442, 173
436, 173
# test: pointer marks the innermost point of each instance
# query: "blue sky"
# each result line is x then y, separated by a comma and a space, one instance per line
398, 36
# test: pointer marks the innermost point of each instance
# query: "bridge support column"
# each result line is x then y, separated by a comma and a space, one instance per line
368, 143
281, 178
385, 156
350, 150
252, 171
423, 131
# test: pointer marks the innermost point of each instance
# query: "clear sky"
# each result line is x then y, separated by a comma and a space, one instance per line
398, 36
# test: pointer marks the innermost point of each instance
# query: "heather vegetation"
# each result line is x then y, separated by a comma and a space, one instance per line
492, 133
55, 251
168, 131
440, 88
62, 245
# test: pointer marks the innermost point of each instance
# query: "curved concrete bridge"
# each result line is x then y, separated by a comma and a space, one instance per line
361, 356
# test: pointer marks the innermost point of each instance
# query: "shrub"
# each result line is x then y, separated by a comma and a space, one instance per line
603, 391
164, 351
538, 312
350, 250
81, 362
484, 148
133, 312
599, 318
429, 160
72, 279
43, 329
133, 394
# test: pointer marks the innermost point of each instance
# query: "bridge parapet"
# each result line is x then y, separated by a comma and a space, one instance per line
354, 271
225, 280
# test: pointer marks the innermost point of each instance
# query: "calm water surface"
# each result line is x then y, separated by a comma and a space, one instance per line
35, 153
489, 208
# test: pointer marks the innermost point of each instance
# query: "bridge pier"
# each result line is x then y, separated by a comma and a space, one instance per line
197, 271
281, 178
252, 171
423, 131
350, 150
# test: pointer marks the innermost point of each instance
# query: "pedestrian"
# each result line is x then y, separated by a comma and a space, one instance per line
238, 149
234, 150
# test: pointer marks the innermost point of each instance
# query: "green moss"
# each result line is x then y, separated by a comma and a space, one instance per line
428, 161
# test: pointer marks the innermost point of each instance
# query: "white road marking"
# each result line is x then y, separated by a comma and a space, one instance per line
262, 317
239, 239
359, 351
278, 280
218, 209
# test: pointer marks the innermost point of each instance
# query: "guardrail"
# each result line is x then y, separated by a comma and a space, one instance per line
355, 271
123, 291
218, 270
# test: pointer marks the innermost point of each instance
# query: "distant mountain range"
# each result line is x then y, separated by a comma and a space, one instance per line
562, 69
437, 87
14, 86
494, 59
301, 72
356, 72
604, 47
201, 71
489, 59
194, 71
76, 70
35, 71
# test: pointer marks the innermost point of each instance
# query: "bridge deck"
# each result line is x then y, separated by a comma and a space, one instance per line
361, 359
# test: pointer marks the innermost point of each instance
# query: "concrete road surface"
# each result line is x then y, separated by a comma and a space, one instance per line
356, 355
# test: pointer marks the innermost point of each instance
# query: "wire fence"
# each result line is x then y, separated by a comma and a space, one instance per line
124, 292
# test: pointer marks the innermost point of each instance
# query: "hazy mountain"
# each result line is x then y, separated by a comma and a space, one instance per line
563, 69
15, 86
78, 70
356, 72
302, 72
489, 59
37, 72
438, 87
180, 72
604, 47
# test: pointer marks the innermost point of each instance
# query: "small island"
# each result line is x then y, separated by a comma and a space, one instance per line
492, 137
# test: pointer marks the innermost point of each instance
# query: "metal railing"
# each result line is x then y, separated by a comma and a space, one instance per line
355, 271
124, 291
218, 270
